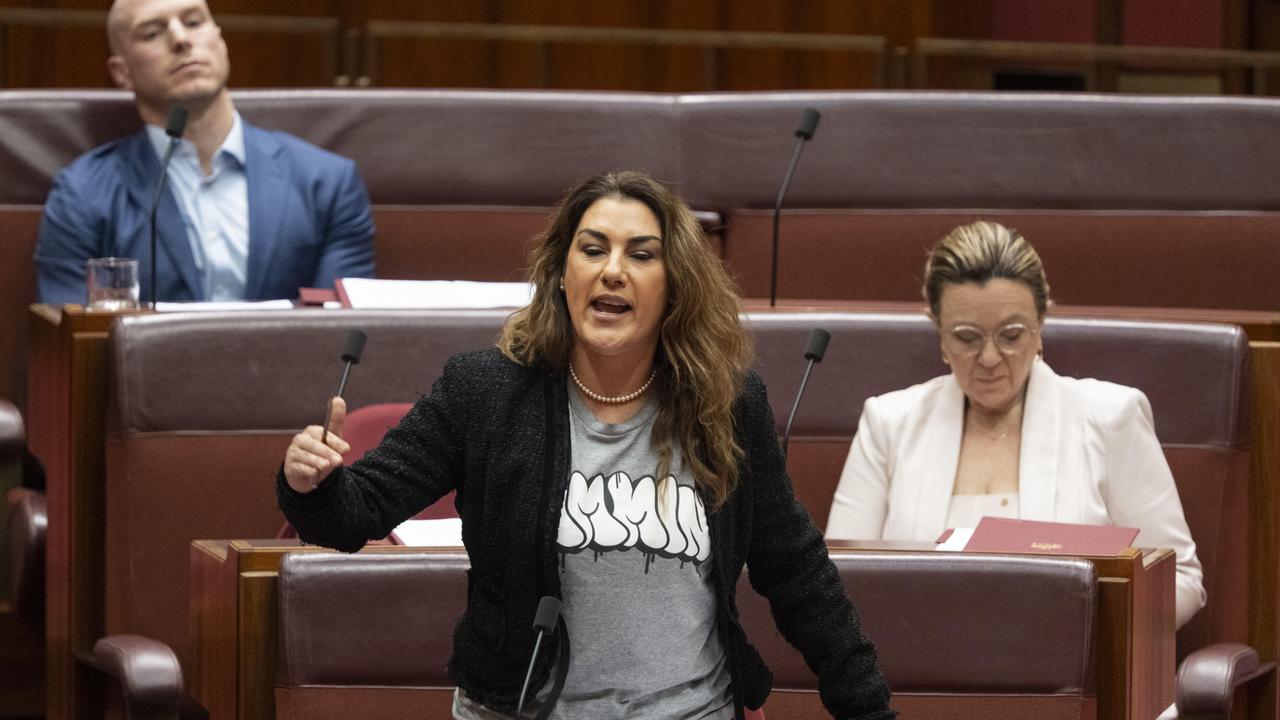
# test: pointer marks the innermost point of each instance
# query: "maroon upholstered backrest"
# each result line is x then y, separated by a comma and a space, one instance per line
1140, 258
915, 150
352, 622
375, 619
366, 425
1126, 195
945, 622
364, 430
1105, 177
202, 407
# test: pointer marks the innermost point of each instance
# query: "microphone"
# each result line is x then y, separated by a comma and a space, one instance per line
176, 125
351, 354
813, 352
808, 125
544, 621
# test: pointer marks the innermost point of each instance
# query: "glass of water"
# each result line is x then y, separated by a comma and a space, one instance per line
112, 283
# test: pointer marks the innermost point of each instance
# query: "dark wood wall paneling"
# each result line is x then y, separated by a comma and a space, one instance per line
638, 67
40, 57
1192, 24
75, 57
1264, 33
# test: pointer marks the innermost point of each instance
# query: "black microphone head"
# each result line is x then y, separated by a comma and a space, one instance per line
548, 614
177, 121
355, 346
817, 347
808, 123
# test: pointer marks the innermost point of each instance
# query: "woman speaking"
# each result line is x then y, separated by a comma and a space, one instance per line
615, 452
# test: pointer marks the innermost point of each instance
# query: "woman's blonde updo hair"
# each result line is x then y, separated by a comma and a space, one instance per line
980, 252
703, 349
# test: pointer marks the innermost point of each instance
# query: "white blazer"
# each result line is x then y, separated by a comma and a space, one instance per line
1089, 455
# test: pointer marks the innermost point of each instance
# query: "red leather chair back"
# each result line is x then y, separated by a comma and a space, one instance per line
364, 430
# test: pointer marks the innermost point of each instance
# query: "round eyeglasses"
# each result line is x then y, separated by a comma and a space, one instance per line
966, 340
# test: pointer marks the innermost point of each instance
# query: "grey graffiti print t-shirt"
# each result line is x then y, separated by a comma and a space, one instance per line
639, 599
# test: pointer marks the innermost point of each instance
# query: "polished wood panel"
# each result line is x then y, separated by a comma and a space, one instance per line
72, 52
1264, 508
1094, 63
22, 657
234, 621
66, 45
214, 627
65, 419
627, 58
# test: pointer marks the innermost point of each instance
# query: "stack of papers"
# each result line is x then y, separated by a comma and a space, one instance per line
229, 305
445, 532
365, 293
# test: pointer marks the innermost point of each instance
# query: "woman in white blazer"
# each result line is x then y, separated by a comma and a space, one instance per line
1004, 435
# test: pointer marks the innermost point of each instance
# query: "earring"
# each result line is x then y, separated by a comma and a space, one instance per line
561, 284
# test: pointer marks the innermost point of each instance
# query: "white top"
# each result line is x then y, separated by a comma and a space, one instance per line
967, 510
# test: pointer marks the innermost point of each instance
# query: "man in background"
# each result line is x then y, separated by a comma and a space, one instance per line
248, 214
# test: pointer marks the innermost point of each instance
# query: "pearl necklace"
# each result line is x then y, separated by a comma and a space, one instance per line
620, 399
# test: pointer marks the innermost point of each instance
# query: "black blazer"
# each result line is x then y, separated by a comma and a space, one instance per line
498, 433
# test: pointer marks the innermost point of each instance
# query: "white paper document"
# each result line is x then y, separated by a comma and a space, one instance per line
445, 532
366, 293
229, 305
956, 541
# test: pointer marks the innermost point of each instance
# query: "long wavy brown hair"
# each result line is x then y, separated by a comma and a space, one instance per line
703, 350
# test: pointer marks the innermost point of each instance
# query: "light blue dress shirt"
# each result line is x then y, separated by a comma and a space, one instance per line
215, 209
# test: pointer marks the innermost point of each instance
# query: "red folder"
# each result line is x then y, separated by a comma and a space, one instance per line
1003, 535
341, 292
316, 296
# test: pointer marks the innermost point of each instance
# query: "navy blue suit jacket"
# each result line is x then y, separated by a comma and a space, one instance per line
309, 221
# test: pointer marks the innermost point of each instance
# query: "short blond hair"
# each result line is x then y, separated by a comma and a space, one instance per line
980, 252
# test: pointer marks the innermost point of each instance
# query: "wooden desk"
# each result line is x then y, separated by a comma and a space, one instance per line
234, 618
235, 624
66, 427
66, 409
1263, 330
1136, 636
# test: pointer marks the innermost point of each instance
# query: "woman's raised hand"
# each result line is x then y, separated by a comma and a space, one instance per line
309, 460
